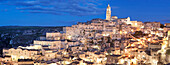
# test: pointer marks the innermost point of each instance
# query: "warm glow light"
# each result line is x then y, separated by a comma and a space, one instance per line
81, 63
69, 37
142, 27
164, 45
66, 62
154, 62
144, 38
125, 50
168, 33
65, 53
96, 47
74, 58
125, 32
132, 30
53, 64
136, 24
99, 60
105, 34
134, 60
120, 32
149, 39
14, 57
132, 44
121, 61
106, 53
21, 57
138, 39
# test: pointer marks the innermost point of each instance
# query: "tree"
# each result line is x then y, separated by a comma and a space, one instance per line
109, 51
168, 52
138, 33
161, 26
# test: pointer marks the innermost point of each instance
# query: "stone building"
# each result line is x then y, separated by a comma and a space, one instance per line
23, 52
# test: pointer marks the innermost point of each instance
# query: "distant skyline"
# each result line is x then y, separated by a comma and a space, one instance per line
69, 12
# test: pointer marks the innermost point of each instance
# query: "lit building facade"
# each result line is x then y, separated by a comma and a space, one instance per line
108, 13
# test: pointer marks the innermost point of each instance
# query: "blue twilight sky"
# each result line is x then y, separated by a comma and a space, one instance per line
68, 12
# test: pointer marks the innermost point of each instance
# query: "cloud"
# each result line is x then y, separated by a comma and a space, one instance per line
47, 12
4, 10
36, 8
166, 20
58, 7
114, 7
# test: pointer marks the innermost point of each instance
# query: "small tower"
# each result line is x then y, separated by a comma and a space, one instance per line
168, 38
108, 13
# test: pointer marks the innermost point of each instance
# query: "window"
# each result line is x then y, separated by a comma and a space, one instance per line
154, 54
5, 52
54, 45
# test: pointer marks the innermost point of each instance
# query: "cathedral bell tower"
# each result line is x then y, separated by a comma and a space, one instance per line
169, 38
108, 13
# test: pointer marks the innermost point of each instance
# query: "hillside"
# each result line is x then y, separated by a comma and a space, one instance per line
14, 36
